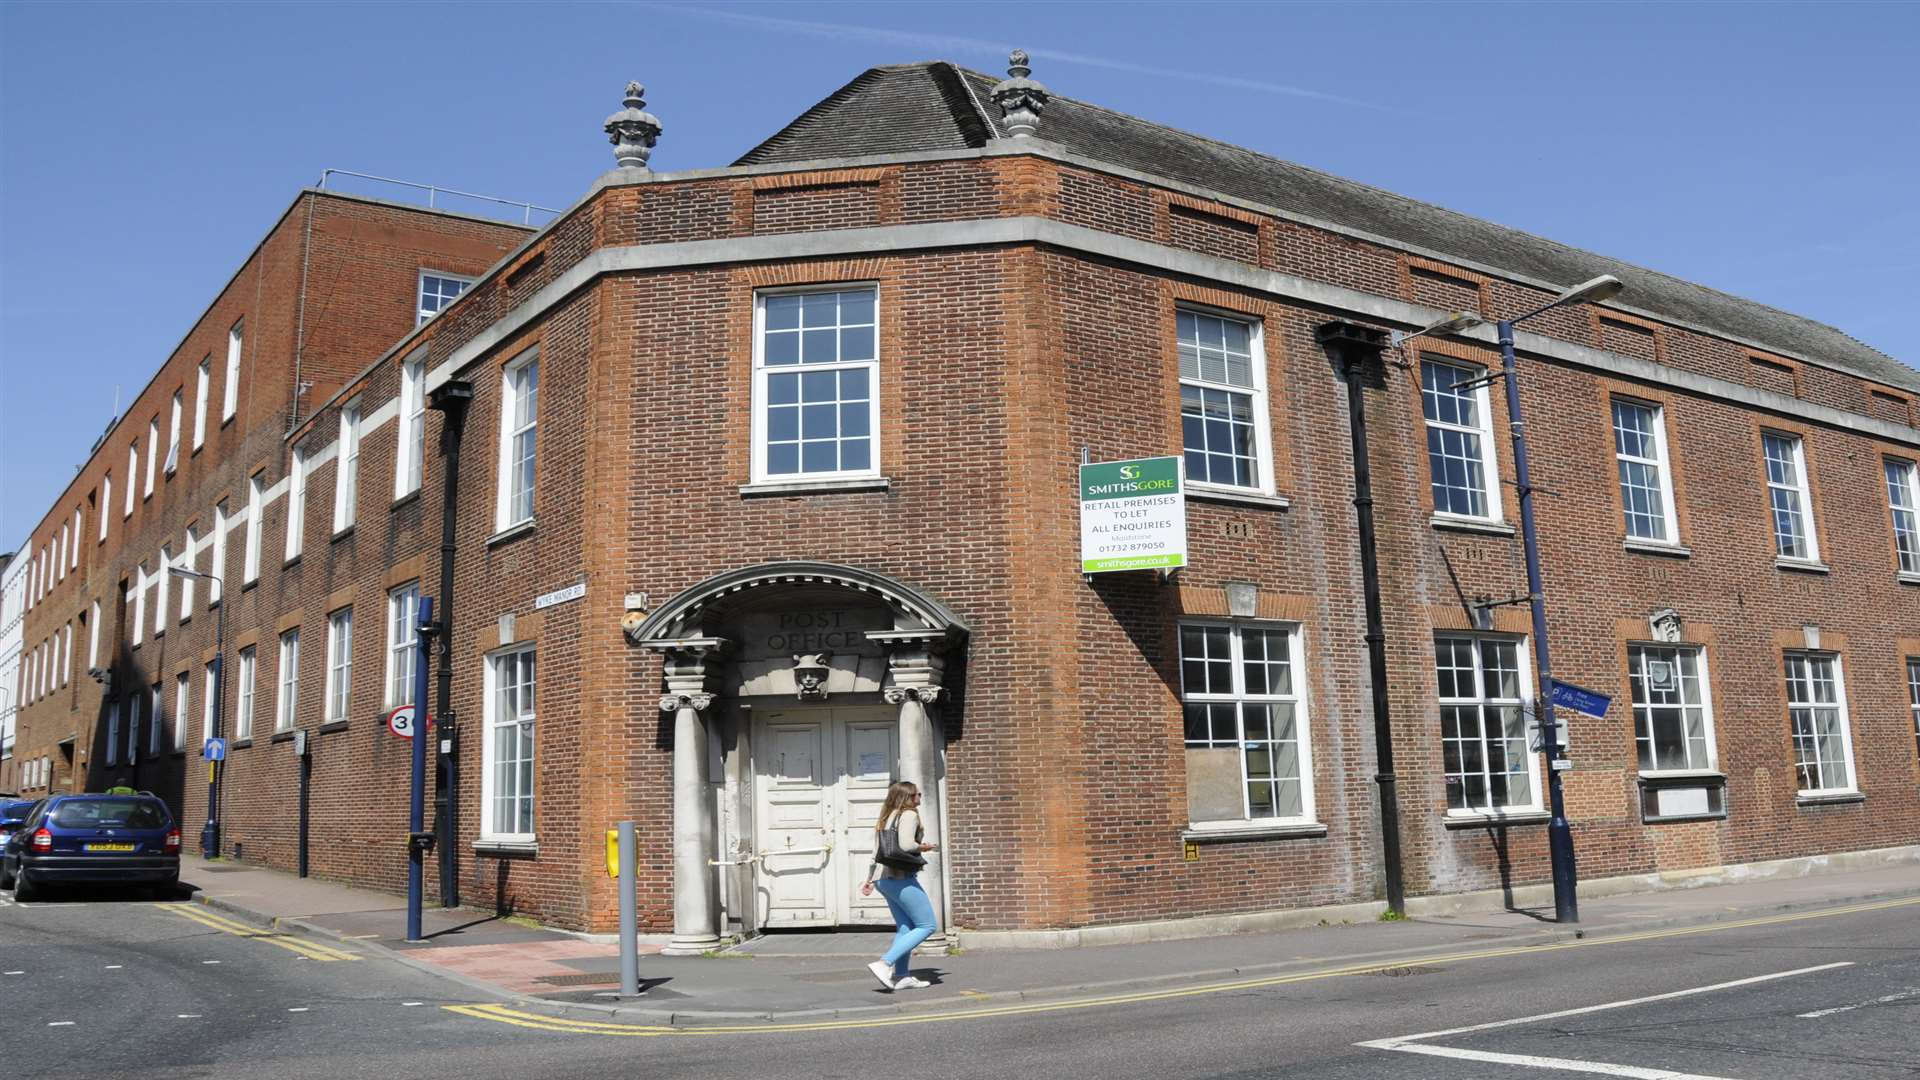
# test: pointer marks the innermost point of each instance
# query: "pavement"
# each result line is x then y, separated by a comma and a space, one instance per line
803, 978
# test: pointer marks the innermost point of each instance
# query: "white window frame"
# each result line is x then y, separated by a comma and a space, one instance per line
518, 380
93, 636
1258, 403
256, 506
1811, 657
156, 721
133, 476
182, 692
339, 664
761, 403
1800, 492
496, 722
210, 692
60, 556
1303, 728
1670, 518
296, 504
113, 733
230, 392
140, 605
346, 468
218, 564
162, 591
1903, 505
176, 411
106, 501
153, 456
286, 703
1640, 672
66, 656
403, 616
203, 385
249, 658
1526, 704
410, 447
186, 583
79, 536
421, 314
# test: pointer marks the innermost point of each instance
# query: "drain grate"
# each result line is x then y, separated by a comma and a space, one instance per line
583, 978
1406, 970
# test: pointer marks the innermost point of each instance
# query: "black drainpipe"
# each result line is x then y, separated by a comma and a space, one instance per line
1355, 349
451, 401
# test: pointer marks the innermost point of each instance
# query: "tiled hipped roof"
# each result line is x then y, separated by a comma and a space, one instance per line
938, 106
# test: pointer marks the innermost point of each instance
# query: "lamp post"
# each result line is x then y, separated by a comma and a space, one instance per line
210, 832
1566, 903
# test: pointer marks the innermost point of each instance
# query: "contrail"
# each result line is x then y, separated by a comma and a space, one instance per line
950, 43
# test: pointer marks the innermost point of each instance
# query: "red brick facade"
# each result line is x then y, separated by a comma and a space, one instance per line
1000, 364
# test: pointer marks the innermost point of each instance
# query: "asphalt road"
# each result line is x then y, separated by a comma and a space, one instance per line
124, 988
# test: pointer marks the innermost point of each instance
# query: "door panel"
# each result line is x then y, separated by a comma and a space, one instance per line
869, 753
793, 816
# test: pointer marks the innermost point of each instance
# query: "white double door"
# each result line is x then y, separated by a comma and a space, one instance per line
821, 774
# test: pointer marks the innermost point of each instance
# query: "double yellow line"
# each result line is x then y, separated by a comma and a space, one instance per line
520, 1018
308, 949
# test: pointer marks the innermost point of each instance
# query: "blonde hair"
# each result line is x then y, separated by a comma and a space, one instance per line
898, 798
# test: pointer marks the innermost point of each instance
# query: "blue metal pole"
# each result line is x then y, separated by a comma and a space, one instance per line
1566, 904
417, 798
210, 832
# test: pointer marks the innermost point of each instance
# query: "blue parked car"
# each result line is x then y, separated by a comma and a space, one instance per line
13, 814
119, 839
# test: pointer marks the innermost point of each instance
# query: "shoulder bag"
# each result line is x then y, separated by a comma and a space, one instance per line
888, 852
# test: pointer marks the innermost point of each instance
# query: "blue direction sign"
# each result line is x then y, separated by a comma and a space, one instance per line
1580, 699
215, 750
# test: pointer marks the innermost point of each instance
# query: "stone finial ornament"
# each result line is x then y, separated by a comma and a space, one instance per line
633, 130
1020, 98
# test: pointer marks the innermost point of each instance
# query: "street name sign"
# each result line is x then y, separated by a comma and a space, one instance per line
1133, 515
1580, 699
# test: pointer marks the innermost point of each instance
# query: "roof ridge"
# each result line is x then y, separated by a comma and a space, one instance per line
1412, 201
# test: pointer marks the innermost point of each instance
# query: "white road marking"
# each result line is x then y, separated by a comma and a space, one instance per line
188, 1016
1888, 999
411, 1004
115, 967
12, 973
1409, 1044
302, 1008
59, 1023
209, 961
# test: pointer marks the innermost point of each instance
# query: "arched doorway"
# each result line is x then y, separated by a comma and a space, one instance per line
799, 691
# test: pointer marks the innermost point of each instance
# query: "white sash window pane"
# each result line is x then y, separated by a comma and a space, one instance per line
1673, 725
243, 707
508, 774
1640, 447
287, 705
230, 395
816, 384
203, 382
339, 663
1483, 725
1459, 440
1788, 496
1222, 401
1816, 707
1903, 497
403, 611
1247, 756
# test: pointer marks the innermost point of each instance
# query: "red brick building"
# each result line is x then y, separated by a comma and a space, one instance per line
767, 497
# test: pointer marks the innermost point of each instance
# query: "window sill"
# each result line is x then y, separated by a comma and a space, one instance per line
290, 563
1200, 834
1834, 799
240, 744
1497, 821
1239, 498
1803, 565
330, 727
1655, 547
245, 585
815, 487
506, 849
1472, 525
228, 419
1681, 777
410, 497
511, 532
340, 535
282, 736
1906, 578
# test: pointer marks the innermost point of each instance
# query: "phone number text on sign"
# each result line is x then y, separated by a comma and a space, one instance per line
1133, 515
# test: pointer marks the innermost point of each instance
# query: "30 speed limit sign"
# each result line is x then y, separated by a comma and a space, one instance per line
400, 721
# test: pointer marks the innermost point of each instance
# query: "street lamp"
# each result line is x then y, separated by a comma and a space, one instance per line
1566, 904
210, 832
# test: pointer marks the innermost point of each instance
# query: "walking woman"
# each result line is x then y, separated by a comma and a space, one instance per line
898, 840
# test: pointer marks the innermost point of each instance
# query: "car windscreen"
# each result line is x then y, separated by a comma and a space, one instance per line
16, 811
110, 813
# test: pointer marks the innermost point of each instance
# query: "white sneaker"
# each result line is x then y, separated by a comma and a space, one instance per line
911, 983
882, 971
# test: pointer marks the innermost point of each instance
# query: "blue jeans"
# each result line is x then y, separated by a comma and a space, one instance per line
913, 913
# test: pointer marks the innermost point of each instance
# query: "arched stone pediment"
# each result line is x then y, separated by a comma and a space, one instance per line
694, 611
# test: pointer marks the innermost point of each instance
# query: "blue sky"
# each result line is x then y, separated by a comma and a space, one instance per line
1768, 150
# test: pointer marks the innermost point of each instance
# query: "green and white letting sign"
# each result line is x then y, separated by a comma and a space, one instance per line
1133, 515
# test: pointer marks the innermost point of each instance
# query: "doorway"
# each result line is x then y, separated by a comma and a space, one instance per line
820, 775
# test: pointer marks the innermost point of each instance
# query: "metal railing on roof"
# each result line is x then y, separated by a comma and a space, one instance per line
434, 192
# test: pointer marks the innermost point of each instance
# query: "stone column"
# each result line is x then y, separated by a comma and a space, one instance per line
915, 670
696, 909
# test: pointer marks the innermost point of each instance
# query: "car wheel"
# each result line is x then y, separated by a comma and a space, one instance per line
24, 887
